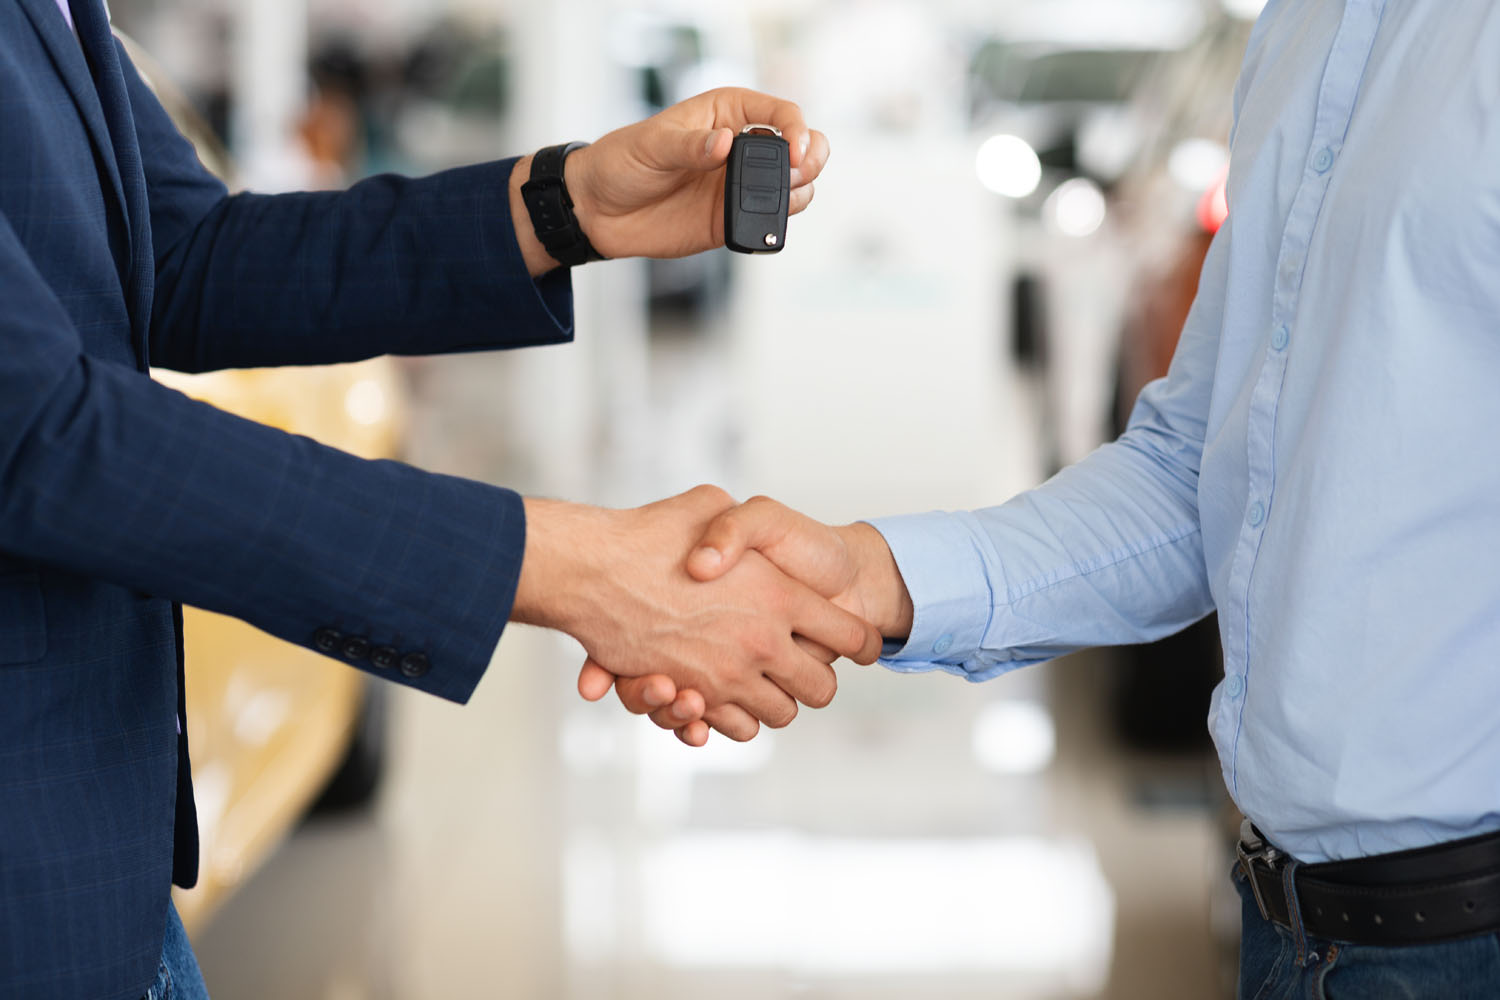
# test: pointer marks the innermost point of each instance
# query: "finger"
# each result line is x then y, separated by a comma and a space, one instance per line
812, 164
645, 694
831, 626
800, 676
816, 650
694, 734
737, 107
733, 721
800, 199
686, 708
594, 681
774, 702
700, 149
756, 524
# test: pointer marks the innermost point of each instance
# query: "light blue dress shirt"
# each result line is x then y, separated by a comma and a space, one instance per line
1322, 462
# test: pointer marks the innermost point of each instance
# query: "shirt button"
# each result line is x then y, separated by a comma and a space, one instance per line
1234, 685
1323, 160
943, 644
1257, 514
1281, 337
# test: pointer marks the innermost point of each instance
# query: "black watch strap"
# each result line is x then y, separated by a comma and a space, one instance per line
551, 210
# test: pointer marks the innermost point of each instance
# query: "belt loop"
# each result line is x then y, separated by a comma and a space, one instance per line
1294, 909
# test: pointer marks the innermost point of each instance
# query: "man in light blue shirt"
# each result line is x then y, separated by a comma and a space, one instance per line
1321, 465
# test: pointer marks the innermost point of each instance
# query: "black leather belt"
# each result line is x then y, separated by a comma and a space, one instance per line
1419, 896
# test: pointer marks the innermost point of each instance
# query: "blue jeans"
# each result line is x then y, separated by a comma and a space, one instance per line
1278, 964
178, 978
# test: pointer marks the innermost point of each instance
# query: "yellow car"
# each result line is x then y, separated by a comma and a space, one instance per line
274, 727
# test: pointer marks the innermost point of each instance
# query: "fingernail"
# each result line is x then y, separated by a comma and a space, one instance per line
709, 556
806, 141
653, 697
681, 712
708, 147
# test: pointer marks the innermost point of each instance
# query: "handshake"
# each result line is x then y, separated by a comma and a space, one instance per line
706, 613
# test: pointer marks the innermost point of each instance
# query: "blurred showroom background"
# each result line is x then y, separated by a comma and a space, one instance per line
1000, 252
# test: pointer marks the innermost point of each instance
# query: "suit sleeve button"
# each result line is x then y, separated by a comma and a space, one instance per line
415, 664
385, 657
356, 648
328, 640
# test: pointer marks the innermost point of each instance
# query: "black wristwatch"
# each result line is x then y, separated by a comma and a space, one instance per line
551, 210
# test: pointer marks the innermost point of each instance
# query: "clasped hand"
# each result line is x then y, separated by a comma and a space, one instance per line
748, 640
827, 592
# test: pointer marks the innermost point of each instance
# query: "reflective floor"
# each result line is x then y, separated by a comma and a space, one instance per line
920, 838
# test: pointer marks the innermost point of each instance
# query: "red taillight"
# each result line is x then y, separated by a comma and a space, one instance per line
1213, 207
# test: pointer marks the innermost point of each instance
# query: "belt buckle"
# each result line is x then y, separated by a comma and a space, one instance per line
1250, 849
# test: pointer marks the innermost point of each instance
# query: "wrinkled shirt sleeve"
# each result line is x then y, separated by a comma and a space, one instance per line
1109, 551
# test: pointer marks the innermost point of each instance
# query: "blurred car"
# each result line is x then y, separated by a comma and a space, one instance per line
1171, 201
274, 728
1168, 207
1051, 100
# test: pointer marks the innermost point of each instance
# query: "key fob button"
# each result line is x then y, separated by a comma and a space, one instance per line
762, 201
757, 193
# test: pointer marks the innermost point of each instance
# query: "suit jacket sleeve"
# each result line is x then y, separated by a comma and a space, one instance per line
392, 266
108, 474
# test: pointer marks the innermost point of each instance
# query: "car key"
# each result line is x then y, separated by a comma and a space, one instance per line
757, 190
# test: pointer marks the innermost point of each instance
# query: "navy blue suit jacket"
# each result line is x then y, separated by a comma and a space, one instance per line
121, 499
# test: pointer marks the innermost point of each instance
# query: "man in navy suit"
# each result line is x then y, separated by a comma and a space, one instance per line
120, 499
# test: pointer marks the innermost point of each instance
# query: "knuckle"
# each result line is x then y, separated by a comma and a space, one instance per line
708, 492
782, 716
761, 646
823, 695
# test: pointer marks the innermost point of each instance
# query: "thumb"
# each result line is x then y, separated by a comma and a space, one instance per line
759, 523
701, 148
723, 543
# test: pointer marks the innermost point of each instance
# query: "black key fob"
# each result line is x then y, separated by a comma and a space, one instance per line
757, 190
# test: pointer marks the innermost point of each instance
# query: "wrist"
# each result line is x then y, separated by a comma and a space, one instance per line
538, 260
559, 564
551, 209
878, 586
